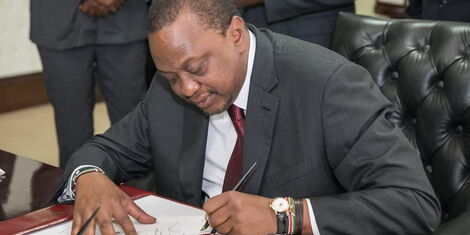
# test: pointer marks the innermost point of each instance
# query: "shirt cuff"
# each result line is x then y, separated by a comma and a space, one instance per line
313, 222
68, 194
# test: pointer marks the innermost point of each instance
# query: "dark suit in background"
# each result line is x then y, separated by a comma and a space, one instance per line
452, 10
310, 20
316, 125
76, 51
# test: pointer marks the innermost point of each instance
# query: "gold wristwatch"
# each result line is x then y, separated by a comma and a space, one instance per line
280, 206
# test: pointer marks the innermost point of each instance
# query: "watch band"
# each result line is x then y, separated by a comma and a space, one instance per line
281, 223
299, 217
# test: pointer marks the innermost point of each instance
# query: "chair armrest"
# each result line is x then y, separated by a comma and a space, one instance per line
457, 226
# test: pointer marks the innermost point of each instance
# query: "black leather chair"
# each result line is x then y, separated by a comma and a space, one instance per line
423, 67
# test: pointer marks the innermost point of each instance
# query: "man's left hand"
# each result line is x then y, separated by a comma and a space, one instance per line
247, 3
240, 213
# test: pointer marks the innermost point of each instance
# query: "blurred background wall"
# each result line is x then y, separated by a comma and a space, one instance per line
18, 55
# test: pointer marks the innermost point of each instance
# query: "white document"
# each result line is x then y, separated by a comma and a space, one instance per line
1, 172
172, 219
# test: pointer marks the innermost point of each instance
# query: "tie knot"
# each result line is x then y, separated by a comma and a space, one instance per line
236, 113
238, 118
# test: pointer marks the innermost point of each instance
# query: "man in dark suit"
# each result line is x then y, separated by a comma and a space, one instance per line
315, 123
310, 20
86, 41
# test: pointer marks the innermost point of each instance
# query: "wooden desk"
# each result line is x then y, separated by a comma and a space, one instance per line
27, 185
26, 191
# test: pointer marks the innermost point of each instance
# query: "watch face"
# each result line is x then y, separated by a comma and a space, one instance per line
280, 205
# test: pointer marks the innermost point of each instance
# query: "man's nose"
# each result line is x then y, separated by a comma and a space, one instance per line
189, 87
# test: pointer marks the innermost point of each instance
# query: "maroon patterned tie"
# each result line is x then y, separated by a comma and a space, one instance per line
235, 165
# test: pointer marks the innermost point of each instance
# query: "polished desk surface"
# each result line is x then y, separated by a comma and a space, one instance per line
27, 185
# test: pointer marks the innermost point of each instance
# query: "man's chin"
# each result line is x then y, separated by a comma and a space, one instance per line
215, 111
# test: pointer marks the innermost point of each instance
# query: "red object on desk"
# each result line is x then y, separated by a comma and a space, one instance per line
52, 215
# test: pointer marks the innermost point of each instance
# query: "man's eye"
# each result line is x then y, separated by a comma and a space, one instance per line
198, 71
194, 70
201, 70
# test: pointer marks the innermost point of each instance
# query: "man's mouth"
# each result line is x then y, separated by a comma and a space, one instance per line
203, 102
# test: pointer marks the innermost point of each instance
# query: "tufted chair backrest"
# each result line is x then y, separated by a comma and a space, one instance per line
423, 68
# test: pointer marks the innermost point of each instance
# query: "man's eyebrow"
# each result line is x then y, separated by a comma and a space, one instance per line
190, 59
184, 65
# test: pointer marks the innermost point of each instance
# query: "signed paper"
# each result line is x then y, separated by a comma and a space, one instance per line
172, 219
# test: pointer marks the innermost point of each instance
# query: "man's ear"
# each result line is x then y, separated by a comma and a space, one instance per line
237, 33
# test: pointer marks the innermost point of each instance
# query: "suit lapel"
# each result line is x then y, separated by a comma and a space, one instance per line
191, 162
261, 112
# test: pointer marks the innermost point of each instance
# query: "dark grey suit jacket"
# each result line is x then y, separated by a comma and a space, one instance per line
315, 123
310, 20
58, 24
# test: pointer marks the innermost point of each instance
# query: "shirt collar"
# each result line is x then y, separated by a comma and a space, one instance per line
242, 98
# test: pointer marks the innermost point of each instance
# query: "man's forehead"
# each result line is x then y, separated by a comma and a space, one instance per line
178, 52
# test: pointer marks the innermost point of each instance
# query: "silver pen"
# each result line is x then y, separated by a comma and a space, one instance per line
237, 187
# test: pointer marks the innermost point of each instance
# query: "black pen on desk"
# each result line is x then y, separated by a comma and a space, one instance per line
87, 222
237, 187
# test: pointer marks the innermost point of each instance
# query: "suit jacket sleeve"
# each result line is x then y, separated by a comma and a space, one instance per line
123, 151
386, 186
279, 10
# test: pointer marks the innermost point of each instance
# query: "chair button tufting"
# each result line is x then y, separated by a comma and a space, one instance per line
440, 84
426, 48
395, 75
466, 54
445, 216
459, 129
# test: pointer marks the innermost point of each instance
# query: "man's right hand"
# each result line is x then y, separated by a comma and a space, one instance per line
95, 190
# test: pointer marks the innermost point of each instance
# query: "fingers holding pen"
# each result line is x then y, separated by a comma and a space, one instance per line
221, 220
218, 211
237, 213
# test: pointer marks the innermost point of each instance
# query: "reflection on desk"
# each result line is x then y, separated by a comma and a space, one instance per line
27, 185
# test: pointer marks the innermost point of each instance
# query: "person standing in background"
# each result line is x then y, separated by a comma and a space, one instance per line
451, 10
84, 41
309, 20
